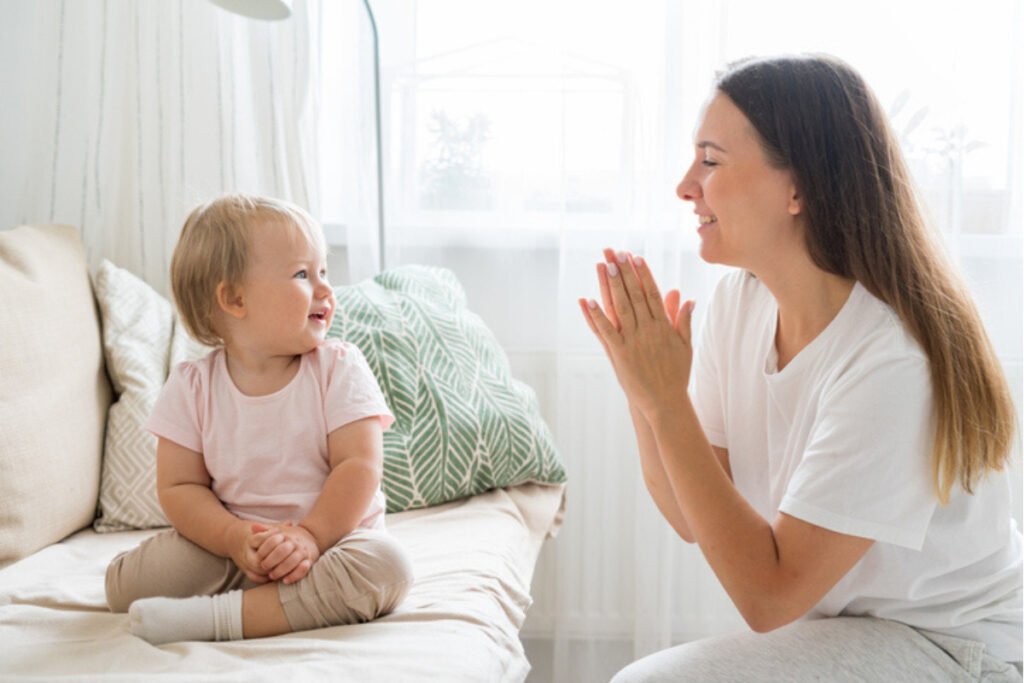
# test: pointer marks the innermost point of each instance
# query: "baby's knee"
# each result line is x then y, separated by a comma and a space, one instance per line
364, 577
386, 571
394, 568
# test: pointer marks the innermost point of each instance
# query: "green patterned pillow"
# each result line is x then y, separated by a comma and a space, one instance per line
462, 424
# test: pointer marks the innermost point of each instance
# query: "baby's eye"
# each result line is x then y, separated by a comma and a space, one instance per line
300, 274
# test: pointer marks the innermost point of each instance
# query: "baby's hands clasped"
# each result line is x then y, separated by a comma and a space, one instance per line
286, 552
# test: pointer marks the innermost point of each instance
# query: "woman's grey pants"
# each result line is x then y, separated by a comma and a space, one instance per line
837, 650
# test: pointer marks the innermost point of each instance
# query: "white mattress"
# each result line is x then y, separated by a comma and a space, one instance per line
473, 561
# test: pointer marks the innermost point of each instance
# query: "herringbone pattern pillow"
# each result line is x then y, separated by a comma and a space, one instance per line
462, 425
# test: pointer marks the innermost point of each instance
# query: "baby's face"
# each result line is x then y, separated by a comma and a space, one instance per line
289, 302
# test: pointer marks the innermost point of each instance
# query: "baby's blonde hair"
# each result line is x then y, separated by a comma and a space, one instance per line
214, 247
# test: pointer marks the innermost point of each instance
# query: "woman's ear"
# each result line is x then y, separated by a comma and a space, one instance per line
230, 299
796, 202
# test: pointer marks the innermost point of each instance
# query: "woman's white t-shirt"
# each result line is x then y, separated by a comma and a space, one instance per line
842, 438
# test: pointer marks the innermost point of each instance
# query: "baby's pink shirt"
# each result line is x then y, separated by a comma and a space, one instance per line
267, 455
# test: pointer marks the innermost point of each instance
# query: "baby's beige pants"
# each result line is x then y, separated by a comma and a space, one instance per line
364, 576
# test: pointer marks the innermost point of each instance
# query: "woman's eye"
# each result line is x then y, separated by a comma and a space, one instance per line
708, 162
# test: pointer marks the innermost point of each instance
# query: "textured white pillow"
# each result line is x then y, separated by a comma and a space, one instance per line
142, 339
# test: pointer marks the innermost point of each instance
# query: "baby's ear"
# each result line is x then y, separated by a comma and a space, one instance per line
230, 299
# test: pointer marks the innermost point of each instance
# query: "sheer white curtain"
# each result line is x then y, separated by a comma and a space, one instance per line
521, 138
120, 116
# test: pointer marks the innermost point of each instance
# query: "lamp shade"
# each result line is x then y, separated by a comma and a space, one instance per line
271, 10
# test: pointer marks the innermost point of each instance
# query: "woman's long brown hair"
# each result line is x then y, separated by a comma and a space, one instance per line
818, 118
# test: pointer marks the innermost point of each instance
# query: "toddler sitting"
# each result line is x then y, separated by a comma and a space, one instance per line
269, 454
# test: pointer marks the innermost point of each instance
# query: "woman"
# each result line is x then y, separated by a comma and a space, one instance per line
840, 458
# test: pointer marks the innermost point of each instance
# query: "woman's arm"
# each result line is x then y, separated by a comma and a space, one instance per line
774, 573
657, 481
183, 488
650, 461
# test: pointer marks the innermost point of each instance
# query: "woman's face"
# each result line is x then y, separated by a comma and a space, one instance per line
748, 210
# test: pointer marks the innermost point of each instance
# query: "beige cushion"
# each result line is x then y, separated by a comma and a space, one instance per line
141, 339
54, 392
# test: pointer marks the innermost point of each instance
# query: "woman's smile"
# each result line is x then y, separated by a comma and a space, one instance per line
706, 222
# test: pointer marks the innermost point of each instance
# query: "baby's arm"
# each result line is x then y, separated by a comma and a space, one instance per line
356, 454
183, 486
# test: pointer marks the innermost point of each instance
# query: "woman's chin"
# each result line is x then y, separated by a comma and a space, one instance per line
707, 252
711, 250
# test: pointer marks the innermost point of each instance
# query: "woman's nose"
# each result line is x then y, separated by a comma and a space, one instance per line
688, 188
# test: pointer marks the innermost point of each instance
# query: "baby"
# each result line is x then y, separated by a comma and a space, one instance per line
269, 452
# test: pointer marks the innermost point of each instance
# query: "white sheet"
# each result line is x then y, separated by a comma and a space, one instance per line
473, 562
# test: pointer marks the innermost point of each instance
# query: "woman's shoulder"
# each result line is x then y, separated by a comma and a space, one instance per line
874, 342
876, 325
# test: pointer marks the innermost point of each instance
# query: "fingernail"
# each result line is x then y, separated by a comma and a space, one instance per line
638, 260
613, 270
621, 256
592, 304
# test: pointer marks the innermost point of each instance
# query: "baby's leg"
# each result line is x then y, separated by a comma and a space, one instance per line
169, 565
166, 584
364, 576
262, 613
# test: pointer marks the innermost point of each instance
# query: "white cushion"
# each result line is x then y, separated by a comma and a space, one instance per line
53, 390
142, 339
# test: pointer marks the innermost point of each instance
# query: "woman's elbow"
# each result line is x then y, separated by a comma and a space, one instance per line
680, 526
761, 625
766, 617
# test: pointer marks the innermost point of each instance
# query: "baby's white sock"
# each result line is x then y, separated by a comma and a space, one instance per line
169, 620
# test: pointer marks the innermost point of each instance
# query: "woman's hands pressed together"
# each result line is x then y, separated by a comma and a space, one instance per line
648, 340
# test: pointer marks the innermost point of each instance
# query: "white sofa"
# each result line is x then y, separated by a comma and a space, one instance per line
473, 558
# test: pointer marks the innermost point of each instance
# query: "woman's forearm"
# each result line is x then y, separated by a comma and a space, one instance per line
198, 515
737, 542
655, 478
